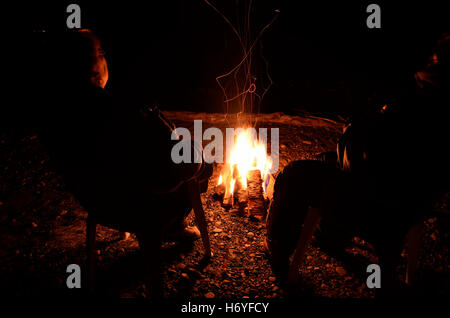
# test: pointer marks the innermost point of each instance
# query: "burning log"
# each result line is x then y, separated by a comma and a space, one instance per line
256, 202
219, 191
242, 176
229, 193
228, 201
242, 199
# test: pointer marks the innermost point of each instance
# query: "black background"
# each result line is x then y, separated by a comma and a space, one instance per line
322, 57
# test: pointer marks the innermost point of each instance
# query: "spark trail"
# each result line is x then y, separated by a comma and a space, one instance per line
247, 94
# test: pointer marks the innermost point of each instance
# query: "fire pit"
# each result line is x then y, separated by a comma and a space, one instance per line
245, 181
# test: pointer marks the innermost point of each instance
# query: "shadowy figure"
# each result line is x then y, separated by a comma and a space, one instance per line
390, 169
115, 160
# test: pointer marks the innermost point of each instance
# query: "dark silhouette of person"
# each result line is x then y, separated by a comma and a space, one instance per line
116, 161
392, 167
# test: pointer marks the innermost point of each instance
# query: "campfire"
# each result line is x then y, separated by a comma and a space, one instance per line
245, 182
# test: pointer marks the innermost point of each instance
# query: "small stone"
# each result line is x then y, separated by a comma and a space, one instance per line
181, 266
217, 230
210, 295
184, 275
250, 234
341, 271
272, 278
34, 224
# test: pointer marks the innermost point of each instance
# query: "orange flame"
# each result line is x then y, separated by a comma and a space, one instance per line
247, 154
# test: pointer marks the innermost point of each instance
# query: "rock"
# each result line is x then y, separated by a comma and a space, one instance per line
250, 234
217, 230
184, 275
272, 278
210, 295
181, 266
341, 271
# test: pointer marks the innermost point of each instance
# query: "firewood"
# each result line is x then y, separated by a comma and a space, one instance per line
242, 199
219, 191
256, 202
228, 201
228, 196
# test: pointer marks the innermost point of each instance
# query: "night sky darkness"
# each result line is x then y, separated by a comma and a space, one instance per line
322, 57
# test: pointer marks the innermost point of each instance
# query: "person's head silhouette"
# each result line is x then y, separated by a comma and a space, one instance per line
85, 59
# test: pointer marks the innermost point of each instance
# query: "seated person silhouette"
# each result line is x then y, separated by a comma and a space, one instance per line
389, 170
116, 161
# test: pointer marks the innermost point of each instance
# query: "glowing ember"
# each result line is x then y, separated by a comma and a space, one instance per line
247, 154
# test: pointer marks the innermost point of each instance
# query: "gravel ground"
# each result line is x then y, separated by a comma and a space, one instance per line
42, 230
